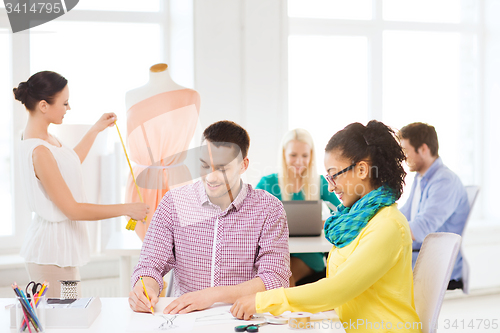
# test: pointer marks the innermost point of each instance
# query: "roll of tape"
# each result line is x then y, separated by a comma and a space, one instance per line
300, 321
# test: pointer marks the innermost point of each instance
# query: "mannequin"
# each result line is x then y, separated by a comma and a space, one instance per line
159, 81
162, 118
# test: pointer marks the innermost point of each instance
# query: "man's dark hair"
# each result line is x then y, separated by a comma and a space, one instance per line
420, 133
229, 132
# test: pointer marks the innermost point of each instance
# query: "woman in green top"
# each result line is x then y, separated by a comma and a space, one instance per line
297, 179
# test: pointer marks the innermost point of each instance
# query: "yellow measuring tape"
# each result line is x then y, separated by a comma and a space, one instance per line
131, 223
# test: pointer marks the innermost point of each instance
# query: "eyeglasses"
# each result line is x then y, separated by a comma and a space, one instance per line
331, 179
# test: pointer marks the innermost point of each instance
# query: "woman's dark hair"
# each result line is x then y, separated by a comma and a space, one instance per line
42, 86
377, 143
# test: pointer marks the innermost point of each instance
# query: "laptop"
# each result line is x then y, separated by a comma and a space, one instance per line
304, 217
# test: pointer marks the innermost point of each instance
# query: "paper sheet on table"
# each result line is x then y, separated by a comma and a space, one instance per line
217, 314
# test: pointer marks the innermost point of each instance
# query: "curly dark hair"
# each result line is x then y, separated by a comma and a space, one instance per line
377, 143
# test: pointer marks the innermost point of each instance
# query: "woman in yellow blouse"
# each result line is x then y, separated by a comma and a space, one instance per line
369, 279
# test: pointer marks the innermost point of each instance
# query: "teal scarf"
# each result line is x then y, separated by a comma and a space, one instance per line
345, 224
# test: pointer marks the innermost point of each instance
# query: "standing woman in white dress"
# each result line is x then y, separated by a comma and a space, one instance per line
57, 241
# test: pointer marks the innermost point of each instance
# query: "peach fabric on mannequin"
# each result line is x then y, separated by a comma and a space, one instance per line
159, 130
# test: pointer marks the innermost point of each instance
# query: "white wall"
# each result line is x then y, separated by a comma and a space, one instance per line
491, 121
482, 242
238, 72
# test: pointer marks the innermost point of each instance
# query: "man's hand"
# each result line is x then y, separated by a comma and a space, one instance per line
244, 307
137, 298
196, 300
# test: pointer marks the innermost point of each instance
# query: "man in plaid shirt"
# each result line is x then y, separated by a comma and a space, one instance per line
222, 238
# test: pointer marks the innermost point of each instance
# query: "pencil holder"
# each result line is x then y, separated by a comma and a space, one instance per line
31, 314
69, 289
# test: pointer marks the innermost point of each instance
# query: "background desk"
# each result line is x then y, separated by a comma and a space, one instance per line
116, 313
128, 244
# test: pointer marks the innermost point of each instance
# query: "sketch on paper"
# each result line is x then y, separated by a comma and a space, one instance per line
168, 324
196, 318
173, 323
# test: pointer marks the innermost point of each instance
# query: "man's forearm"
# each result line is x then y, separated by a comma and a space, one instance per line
229, 294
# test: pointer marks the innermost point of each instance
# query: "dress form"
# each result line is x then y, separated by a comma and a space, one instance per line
159, 81
162, 118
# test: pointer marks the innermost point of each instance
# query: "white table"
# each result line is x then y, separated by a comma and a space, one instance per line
128, 244
116, 316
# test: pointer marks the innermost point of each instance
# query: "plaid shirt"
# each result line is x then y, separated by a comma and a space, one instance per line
208, 247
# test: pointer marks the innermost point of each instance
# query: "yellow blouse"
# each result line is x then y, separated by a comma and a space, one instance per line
369, 282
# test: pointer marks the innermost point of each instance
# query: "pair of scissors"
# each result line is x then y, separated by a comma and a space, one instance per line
35, 289
255, 327
249, 328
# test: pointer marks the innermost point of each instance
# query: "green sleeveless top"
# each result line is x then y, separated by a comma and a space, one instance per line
270, 184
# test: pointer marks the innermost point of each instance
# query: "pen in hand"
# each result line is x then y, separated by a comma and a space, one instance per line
146, 292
